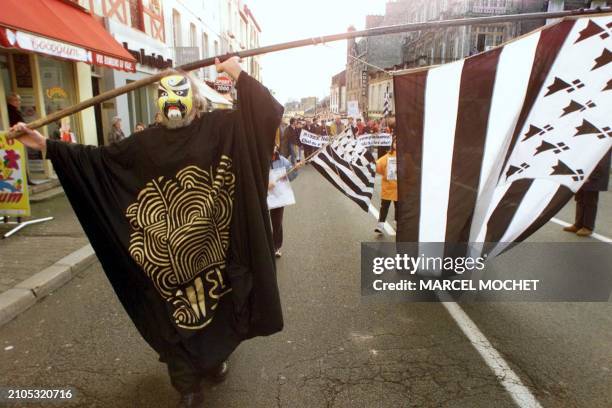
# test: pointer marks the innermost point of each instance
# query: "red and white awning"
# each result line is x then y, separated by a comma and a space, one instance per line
59, 29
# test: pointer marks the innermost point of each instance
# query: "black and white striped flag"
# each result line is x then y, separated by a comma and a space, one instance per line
491, 147
349, 166
387, 104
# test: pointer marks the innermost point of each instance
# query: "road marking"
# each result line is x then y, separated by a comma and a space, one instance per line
595, 235
519, 393
388, 228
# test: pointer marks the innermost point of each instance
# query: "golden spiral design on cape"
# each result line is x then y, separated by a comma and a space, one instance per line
180, 229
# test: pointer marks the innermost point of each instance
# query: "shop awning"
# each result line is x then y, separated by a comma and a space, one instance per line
61, 29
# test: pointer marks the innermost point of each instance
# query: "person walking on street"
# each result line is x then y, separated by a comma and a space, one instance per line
588, 196
116, 134
336, 127
276, 214
387, 167
174, 214
289, 141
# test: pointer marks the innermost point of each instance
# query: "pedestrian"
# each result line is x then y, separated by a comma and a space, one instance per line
276, 214
289, 142
387, 167
157, 120
352, 126
13, 104
139, 127
175, 217
116, 133
66, 134
336, 127
299, 125
588, 196
360, 127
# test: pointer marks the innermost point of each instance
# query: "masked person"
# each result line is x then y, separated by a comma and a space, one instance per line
178, 217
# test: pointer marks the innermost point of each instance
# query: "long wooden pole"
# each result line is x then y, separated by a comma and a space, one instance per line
394, 29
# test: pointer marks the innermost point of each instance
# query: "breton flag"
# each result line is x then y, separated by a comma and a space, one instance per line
491, 147
387, 104
349, 166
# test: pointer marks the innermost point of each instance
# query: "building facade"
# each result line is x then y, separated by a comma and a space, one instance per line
337, 98
161, 34
51, 70
369, 57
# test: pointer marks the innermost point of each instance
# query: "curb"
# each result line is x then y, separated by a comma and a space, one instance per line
46, 195
25, 294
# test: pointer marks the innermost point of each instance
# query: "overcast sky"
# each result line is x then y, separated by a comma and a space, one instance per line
306, 71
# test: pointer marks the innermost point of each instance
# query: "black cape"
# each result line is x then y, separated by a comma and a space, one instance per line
179, 221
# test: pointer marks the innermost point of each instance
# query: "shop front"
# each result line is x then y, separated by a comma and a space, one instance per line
152, 56
46, 66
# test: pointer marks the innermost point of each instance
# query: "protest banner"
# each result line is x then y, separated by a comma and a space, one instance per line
375, 139
281, 195
14, 200
352, 109
312, 139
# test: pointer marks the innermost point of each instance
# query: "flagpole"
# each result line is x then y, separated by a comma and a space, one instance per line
394, 29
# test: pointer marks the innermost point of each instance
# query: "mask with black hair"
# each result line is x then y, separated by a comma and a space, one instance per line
178, 100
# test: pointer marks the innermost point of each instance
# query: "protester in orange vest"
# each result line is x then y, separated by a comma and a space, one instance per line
387, 167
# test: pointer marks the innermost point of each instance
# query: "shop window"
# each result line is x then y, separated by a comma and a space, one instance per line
59, 92
142, 107
176, 27
136, 14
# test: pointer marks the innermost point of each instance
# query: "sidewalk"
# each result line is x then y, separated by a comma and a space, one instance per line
32, 260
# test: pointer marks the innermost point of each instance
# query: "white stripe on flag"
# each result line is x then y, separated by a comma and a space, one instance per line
498, 194
441, 102
349, 174
332, 174
533, 204
512, 78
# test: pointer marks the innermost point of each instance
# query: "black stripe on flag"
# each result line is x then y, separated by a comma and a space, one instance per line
561, 197
475, 94
349, 183
504, 212
353, 169
323, 171
409, 114
550, 42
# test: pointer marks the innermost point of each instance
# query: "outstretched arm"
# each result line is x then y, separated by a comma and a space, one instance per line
30, 137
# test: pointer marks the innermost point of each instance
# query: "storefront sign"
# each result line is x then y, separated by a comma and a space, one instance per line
14, 200
48, 46
364, 83
152, 60
112, 62
56, 93
223, 84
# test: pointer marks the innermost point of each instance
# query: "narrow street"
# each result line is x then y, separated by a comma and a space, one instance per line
337, 349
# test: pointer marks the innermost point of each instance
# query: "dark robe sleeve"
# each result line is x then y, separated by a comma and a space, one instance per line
261, 115
251, 267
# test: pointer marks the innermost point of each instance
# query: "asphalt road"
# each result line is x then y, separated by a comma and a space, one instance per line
337, 350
